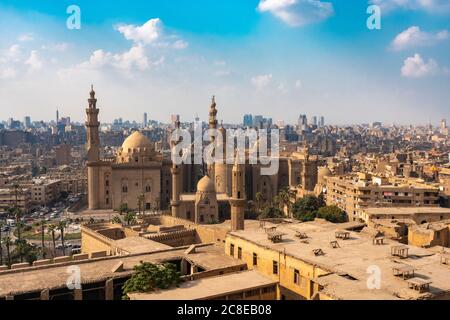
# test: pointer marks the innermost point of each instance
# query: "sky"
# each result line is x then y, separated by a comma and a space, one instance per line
277, 58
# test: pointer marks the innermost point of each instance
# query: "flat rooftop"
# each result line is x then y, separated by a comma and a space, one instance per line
135, 245
208, 257
348, 265
208, 288
407, 210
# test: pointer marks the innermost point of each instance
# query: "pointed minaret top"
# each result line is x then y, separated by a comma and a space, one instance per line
92, 100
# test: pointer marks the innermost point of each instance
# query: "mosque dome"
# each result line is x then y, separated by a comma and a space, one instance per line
206, 185
136, 141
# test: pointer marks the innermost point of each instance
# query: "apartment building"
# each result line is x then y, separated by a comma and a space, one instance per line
354, 194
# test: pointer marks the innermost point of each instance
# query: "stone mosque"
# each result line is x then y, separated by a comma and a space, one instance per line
143, 179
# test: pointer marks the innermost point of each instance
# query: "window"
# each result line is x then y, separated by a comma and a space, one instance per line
124, 189
239, 253
148, 188
255, 259
296, 276
275, 267
232, 250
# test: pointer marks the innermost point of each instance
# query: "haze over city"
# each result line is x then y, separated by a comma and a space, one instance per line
266, 57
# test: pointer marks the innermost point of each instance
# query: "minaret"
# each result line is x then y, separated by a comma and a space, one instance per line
92, 125
93, 151
238, 198
212, 126
176, 182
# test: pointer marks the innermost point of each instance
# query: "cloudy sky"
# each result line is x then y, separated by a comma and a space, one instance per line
279, 58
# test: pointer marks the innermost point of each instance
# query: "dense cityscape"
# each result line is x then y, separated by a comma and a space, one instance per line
95, 191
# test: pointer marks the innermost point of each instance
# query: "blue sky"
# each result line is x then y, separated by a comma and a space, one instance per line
279, 58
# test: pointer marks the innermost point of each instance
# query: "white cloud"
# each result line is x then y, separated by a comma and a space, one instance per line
148, 33
283, 88
261, 81
416, 67
298, 84
7, 73
414, 37
13, 53
26, 37
220, 63
135, 57
432, 6
297, 12
34, 61
180, 44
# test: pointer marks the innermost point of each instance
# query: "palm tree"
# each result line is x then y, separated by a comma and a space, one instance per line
61, 226
43, 223
286, 194
19, 226
259, 199
8, 243
1, 243
51, 229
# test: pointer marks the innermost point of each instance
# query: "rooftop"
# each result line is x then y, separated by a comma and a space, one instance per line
208, 288
348, 265
208, 257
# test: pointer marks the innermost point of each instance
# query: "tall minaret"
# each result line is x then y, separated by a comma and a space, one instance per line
238, 198
176, 182
212, 126
93, 151
92, 124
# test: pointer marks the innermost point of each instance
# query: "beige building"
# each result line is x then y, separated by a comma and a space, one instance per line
322, 261
9, 198
44, 192
354, 194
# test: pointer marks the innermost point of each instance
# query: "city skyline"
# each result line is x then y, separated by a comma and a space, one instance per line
298, 57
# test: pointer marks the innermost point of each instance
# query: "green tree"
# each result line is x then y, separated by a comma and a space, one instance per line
333, 214
61, 227
24, 250
148, 277
305, 209
285, 196
1, 242
117, 220
123, 208
259, 200
8, 244
51, 230
43, 224
130, 218
271, 213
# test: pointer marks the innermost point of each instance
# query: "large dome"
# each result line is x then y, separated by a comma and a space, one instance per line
135, 141
206, 185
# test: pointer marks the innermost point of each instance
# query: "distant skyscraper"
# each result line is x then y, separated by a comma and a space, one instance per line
443, 124
322, 122
302, 121
57, 116
27, 122
314, 121
145, 120
248, 120
258, 121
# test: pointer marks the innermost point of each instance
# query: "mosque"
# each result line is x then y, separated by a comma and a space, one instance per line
143, 179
